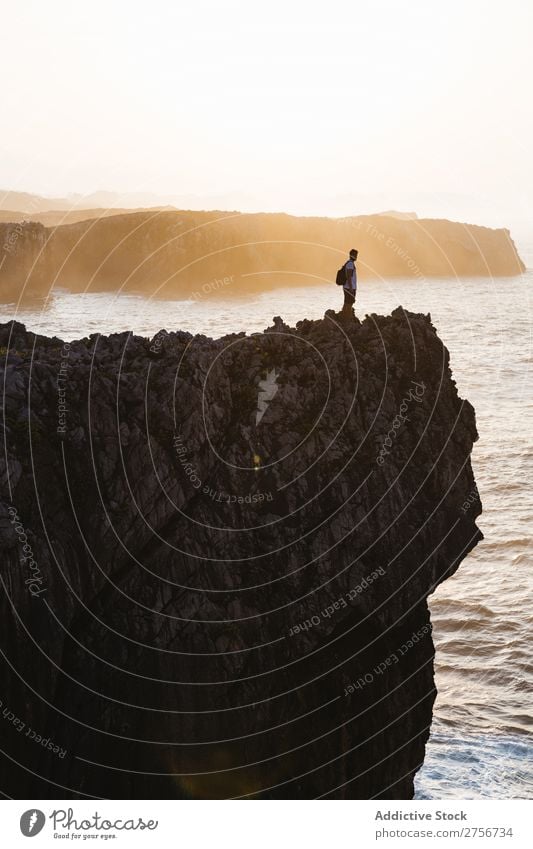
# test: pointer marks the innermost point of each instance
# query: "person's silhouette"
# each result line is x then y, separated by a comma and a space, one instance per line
350, 286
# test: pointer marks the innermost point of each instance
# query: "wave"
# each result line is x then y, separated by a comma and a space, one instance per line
476, 766
461, 606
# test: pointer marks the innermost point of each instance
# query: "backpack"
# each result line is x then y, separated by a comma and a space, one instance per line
340, 279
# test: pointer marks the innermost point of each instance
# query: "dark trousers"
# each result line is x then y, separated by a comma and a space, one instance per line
349, 300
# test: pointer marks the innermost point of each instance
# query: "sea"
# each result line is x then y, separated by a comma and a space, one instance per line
481, 737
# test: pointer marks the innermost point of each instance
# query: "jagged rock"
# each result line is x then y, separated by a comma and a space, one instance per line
228, 608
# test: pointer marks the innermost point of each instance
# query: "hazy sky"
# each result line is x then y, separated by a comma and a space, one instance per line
314, 106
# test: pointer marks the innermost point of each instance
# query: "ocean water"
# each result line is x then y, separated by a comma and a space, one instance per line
480, 744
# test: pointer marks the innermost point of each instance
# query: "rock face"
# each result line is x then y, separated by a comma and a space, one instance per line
216, 558
190, 254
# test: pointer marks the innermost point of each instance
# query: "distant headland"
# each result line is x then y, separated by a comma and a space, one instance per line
175, 253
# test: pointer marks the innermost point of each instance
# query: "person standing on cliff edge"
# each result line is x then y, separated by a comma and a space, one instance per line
350, 283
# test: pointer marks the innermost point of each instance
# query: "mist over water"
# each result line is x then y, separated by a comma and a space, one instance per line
480, 744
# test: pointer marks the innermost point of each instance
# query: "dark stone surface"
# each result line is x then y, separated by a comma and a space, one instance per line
251, 633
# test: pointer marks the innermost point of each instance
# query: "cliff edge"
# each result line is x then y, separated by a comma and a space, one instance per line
217, 554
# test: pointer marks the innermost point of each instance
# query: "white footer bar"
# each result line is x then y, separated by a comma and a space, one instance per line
267, 825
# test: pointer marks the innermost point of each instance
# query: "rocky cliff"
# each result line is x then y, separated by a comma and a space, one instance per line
183, 254
217, 554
